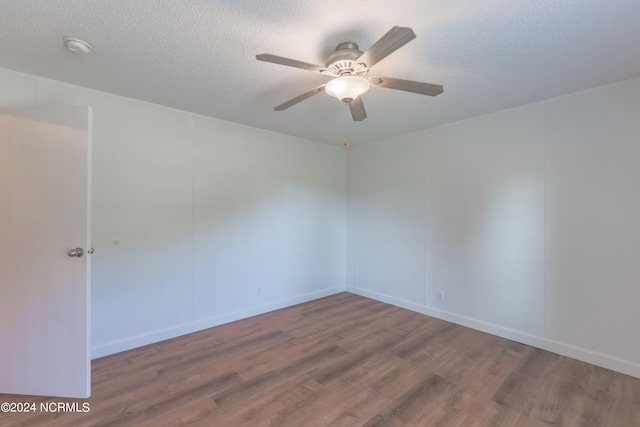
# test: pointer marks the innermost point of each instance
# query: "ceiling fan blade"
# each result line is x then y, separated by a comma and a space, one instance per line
300, 98
389, 43
406, 85
292, 63
357, 110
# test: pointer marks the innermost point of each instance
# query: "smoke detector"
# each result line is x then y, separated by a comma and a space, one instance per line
77, 45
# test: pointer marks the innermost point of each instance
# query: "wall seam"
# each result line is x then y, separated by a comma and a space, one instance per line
347, 216
545, 224
355, 225
426, 221
193, 218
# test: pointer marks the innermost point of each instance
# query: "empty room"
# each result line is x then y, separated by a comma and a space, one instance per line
279, 213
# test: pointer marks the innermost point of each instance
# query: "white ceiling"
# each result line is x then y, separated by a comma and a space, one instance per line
199, 55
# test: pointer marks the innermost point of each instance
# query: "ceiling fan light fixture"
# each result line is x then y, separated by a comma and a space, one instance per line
347, 87
348, 65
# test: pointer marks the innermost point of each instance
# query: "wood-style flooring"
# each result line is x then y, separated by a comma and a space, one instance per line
345, 360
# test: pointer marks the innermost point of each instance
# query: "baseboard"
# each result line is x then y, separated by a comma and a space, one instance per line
595, 358
161, 335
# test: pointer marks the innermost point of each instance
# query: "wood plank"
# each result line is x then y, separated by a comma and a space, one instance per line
344, 360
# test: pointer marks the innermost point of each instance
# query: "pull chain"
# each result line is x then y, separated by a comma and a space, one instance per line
346, 115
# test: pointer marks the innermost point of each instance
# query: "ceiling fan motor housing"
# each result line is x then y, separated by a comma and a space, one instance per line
342, 61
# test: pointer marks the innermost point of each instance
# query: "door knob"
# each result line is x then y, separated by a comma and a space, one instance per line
77, 252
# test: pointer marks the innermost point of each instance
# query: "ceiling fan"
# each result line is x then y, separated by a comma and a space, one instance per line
349, 66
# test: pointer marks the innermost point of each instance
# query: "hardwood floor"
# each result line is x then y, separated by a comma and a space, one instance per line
345, 360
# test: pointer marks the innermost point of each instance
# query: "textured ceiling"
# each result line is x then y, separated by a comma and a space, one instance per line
199, 55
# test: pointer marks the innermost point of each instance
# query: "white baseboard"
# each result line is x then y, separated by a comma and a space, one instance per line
161, 335
595, 358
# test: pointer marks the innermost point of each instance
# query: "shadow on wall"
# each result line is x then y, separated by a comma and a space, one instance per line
485, 236
251, 246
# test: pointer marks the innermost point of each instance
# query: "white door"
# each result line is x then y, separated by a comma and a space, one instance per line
44, 214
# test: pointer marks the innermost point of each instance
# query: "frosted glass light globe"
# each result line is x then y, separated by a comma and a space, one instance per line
347, 87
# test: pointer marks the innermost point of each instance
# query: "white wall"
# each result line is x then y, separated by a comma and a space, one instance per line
485, 218
593, 216
526, 220
387, 182
205, 212
269, 216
